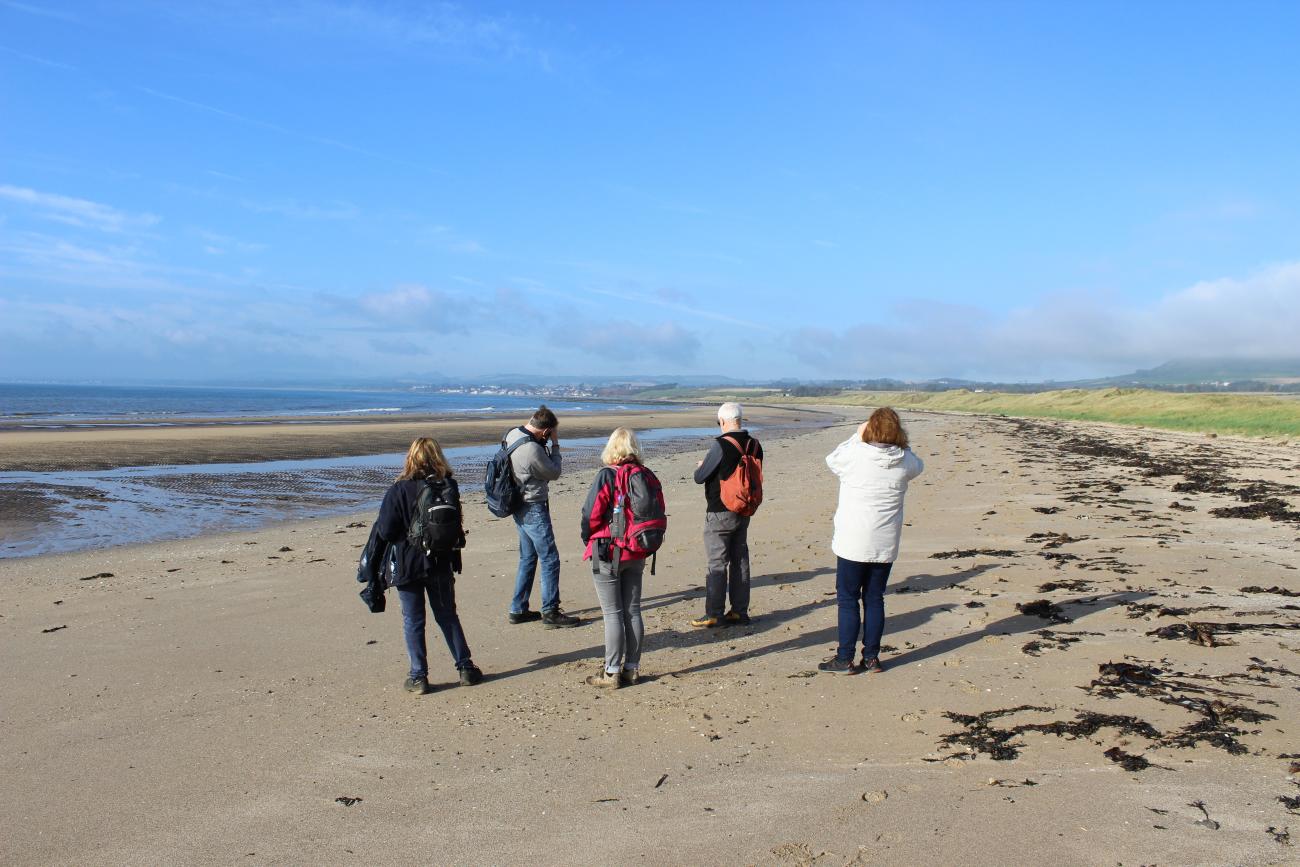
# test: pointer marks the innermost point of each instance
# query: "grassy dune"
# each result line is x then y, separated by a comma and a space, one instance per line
1251, 415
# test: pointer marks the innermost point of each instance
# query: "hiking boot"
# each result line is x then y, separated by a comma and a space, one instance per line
706, 622
835, 665
555, 619
605, 680
872, 665
417, 685
524, 616
629, 677
471, 675
736, 617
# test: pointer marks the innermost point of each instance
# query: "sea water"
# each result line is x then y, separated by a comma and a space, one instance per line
62, 406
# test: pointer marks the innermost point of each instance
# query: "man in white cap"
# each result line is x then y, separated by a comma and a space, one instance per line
726, 534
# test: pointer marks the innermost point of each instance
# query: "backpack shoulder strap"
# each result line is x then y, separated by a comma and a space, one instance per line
510, 449
744, 450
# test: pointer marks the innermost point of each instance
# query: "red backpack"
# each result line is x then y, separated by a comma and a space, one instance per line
639, 519
742, 491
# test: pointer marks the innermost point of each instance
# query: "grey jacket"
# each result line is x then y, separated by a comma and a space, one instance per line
534, 466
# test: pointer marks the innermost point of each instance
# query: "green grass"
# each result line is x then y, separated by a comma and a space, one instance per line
1246, 414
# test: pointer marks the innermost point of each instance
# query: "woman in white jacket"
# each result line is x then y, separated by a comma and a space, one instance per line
874, 466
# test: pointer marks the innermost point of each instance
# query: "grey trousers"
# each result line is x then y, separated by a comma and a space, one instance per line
620, 602
726, 545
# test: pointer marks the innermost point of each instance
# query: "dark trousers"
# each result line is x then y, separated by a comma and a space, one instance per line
440, 589
860, 592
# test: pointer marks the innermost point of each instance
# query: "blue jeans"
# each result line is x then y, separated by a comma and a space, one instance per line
536, 542
860, 592
441, 591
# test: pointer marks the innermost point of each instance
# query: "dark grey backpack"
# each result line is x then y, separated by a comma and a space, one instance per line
436, 526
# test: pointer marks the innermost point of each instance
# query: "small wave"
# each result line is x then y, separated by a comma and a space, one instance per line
348, 411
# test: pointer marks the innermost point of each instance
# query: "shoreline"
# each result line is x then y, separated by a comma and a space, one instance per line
112, 447
109, 496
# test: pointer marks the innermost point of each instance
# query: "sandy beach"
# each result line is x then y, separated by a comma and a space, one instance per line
1086, 665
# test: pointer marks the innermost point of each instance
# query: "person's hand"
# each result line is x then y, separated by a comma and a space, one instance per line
699, 463
862, 431
554, 437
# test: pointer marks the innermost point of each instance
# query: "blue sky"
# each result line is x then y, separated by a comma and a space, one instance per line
334, 189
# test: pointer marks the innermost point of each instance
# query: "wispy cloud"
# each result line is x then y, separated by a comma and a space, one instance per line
447, 238
325, 141
76, 212
691, 310
41, 11
32, 58
302, 210
450, 29
217, 244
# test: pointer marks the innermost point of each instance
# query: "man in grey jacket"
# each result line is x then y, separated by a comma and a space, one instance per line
534, 467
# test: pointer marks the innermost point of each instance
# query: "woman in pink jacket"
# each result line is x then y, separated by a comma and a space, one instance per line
874, 467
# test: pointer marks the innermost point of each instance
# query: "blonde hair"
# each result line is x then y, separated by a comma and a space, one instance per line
622, 445
424, 459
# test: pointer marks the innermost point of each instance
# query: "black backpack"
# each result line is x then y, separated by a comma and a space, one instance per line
436, 525
499, 485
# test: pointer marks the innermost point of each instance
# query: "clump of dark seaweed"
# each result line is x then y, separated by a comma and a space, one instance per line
972, 552
1044, 608
1050, 640
981, 737
1128, 761
1206, 634
1074, 584
1273, 508
1217, 715
1274, 590
1054, 540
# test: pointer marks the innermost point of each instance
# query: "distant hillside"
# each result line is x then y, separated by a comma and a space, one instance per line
1272, 371
1249, 414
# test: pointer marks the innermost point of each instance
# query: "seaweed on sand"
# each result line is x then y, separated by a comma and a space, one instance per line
980, 736
1044, 608
1216, 713
1206, 634
972, 552
1073, 584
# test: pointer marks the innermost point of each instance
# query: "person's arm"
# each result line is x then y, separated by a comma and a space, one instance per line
393, 520
543, 465
838, 460
912, 464
710, 464
596, 509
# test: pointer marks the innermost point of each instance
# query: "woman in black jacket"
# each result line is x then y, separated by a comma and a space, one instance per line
419, 573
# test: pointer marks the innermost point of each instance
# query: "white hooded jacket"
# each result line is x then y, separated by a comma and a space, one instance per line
873, 482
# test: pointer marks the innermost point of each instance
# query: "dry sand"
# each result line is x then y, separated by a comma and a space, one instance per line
210, 701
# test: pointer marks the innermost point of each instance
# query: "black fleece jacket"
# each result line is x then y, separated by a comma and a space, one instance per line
720, 463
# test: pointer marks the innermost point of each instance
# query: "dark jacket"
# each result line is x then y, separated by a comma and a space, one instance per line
720, 463
413, 565
370, 571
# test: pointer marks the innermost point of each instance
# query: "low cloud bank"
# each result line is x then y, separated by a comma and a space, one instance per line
1067, 336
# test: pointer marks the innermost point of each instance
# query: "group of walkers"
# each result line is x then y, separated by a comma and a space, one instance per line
415, 545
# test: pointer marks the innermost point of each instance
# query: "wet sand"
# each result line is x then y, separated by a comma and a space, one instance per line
1080, 672
240, 441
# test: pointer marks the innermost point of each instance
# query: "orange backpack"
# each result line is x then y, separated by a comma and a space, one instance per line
742, 491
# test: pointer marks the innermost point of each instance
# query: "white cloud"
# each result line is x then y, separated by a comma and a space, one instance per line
71, 211
1067, 336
